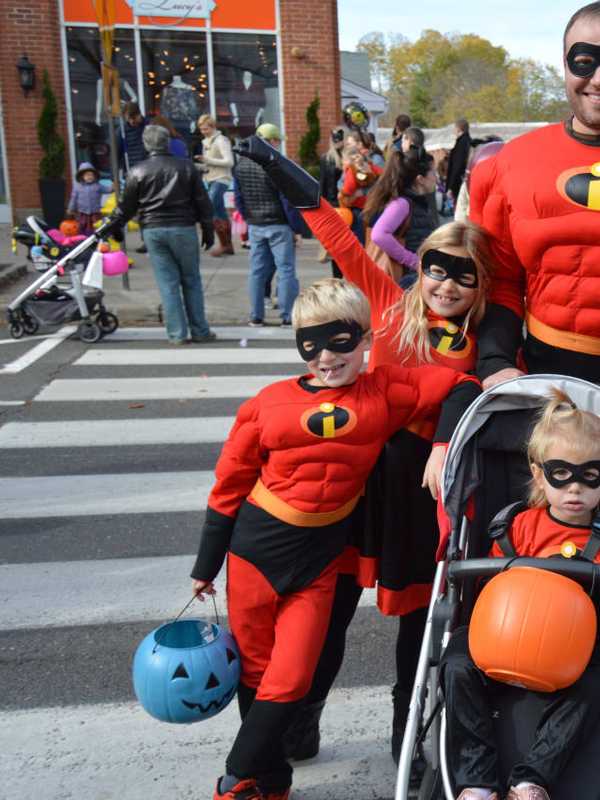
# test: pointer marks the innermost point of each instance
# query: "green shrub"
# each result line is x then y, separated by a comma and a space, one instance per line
52, 165
308, 152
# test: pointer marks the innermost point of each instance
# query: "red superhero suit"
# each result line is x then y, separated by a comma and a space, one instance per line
288, 479
401, 560
572, 714
539, 197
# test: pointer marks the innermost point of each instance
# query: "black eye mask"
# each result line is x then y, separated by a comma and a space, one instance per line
322, 337
587, 473
441, 266
583, 68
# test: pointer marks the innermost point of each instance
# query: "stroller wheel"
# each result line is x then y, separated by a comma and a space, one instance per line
89, 332
107, 322
16, 330
30, 325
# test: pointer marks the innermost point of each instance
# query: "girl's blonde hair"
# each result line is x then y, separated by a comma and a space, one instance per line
206, 119
330, 299
560, 421
413, 334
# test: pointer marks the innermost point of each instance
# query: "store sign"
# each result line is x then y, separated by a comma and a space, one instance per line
181, 9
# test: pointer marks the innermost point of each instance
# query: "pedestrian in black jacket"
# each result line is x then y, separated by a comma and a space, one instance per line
169, 197
459, 155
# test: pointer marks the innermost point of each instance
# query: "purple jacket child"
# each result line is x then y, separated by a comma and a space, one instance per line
85, 201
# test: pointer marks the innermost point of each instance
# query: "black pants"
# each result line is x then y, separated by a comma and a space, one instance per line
570, 716
408, 642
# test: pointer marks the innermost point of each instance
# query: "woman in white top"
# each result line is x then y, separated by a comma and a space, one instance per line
216, 163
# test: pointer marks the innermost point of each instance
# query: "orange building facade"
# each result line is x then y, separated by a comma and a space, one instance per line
243, 62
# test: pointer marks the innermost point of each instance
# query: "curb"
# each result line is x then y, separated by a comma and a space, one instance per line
12, 273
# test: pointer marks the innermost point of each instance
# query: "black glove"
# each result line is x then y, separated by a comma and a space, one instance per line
294, 183
208, 235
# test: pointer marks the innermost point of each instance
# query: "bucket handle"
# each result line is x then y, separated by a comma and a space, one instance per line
181, 613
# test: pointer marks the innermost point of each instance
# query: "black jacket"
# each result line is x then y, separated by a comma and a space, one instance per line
260, 201
329, 176
422, 220
457, 163
165, 192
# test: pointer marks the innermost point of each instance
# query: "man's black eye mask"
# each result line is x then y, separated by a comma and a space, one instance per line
322, 337
461, 270
583, 69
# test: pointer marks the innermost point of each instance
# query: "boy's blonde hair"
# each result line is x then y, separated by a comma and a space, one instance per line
330, 299
560, 421
413, 334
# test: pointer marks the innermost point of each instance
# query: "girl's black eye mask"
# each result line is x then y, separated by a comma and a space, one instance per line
583, 59
440, 266
311, 340
560, 473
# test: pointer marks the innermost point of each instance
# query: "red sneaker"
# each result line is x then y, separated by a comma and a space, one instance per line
243, 790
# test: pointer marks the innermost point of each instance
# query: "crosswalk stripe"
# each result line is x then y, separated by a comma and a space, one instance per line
37, 352
119, 745
82, 495
114, 432
223, 332
173, 388
226, 355
94, 592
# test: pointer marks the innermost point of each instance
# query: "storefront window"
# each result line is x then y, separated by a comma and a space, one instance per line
246, 83
89, 120
175, 77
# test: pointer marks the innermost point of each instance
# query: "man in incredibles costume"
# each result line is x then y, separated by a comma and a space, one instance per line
540, 199
288, 479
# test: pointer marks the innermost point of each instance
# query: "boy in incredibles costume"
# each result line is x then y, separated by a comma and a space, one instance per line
288, 480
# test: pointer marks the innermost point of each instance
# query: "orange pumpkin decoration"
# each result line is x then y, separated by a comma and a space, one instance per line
532, 628
69, 227
345, 214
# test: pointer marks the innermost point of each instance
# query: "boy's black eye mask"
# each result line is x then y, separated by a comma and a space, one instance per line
583, 67
440, 266
587, 473
322, 337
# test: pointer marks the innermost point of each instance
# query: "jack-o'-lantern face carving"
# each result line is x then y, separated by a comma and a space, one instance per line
581, 186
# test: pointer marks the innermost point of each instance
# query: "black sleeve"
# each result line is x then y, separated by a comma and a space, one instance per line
200, 199
128, 205
454, 406
499, 336
214, 543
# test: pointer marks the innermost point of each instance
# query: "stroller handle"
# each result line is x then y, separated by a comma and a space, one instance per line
582, 571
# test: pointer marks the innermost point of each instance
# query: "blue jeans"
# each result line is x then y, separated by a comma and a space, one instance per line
216, 192
272, 244
175, 258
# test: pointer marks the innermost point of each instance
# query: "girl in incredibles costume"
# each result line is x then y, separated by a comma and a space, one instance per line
288, 480
433, 322
564, 455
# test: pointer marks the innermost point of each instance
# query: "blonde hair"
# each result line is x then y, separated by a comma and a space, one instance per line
330, 299
206, 119
411, 311
560, 421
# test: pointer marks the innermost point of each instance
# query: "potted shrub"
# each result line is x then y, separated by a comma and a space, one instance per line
307, 150
52, 165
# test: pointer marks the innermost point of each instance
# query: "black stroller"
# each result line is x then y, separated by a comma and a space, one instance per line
44, 303
43, 250
485, 461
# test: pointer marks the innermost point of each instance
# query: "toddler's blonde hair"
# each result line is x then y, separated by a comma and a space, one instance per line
560, 421
330, 299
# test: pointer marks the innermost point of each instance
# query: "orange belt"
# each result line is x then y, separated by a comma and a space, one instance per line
567, 340
305, 519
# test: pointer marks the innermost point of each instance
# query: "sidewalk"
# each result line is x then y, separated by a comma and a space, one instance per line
224, 280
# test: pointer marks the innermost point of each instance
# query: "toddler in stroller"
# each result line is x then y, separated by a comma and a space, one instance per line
45, 245
491, 735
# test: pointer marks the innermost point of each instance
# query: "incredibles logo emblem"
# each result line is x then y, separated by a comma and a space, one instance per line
328, 421
448, 339
581, 186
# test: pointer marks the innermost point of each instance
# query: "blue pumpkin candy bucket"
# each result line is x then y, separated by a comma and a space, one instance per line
186, 671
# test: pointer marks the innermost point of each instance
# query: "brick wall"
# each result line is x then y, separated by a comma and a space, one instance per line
311, 64
29, 27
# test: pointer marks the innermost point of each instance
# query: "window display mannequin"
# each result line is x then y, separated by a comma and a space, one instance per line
247, 99
179, 103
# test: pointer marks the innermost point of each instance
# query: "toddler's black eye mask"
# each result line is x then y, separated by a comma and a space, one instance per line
440, 266
560, 473
338, 336
583, 59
